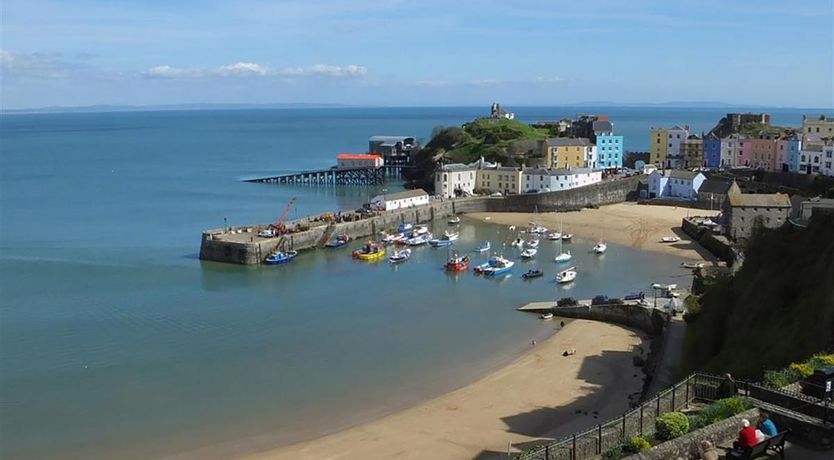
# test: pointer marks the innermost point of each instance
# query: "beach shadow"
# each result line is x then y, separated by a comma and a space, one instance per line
686, 242
546, 424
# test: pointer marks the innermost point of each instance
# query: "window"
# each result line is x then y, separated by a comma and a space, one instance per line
816, 159
828, 164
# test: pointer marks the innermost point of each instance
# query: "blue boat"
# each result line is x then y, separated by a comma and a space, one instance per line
404, 227
500, 267
280, 257
338, 242
483, 247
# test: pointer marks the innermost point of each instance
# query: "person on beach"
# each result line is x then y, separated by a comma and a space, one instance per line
766, 425
727, 387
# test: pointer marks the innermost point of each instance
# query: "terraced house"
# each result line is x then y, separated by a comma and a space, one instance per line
609, 145
563, 152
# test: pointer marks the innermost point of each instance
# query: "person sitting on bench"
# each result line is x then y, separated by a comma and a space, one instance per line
766, 424
746, 437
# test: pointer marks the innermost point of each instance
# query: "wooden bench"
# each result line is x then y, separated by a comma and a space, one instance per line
775, 444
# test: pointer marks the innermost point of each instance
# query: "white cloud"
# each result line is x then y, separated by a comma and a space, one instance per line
251, 69
40, 65
484, 82
549, 79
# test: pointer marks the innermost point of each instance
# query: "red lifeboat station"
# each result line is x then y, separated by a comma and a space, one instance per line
358, 160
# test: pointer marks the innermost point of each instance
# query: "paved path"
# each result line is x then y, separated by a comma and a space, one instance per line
671, 356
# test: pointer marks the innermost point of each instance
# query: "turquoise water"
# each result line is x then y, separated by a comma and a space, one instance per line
114, 337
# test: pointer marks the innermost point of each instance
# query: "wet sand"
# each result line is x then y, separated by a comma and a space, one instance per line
541, 394
628, 224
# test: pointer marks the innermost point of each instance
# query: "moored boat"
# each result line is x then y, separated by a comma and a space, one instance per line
567, 236
563, 257
370, 252
536, 273
404, 227
400, 256
566, 276
535, 228
547, 315
518, 242
554, 236
338, 241
419, 239
692, 265
529, 253
391, 238
280, 257
532, 243
483, 247
600, 247
500, 266
454, 220
446, 240
420, 230
457, 263
669, 239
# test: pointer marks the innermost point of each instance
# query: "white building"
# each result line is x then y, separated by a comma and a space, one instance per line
730, 150
817, 158
406, 199
552, 180
455, 180
675, 183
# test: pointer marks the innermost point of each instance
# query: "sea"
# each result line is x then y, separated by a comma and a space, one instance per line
116, 341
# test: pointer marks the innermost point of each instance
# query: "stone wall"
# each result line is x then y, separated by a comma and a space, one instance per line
649, 320
718, 245
686, 446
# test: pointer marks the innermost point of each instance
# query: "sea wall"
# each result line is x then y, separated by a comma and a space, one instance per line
649, 320
718, 245
241, 245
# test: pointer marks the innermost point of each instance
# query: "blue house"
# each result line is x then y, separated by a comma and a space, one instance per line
712, 150
609, 151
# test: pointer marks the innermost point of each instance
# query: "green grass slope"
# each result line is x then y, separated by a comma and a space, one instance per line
777, 309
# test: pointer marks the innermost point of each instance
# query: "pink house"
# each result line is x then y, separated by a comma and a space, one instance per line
745, 153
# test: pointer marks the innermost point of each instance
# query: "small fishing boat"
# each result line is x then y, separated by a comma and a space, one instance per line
457, 263
419, 230
635, 296
533, 274
446, 240
669, 239
529, 253
404, 227
563, 257
481, 267
566, 276
419, 239
518, 242
483, 247
547, 316
400, 256
338, 241
391, 238
369, 252
280, 257
692, 265
454, 220
554, 236
267, 233
534, 228
532, 244
567, 236
600, 247
500, 266
511, 228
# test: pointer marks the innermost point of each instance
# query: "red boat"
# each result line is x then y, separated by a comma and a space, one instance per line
457, 263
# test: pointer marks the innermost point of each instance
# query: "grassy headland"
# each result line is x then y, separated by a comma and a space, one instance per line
778, 308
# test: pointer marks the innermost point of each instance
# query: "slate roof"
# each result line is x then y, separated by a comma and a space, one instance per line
719, 187
568, 142
759, 200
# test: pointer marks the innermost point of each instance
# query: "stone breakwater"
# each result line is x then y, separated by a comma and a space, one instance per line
241, 245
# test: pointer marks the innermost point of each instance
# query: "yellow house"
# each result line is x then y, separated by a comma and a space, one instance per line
504, 179
658, 147
564, 152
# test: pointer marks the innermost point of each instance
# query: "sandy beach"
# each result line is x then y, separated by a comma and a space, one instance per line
542, 394
628, 224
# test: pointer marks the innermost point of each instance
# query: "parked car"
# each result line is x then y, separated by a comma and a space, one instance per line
496, 194
599, 300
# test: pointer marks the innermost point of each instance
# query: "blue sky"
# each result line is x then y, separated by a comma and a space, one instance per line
426, 52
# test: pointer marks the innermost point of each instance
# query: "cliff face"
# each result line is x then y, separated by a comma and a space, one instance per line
777, 309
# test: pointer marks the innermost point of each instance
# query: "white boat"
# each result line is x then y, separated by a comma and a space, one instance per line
404, 227
567, 236
419, 240
534, 228
566, 276
554, 236
498, 266
517, 243
563, 257
454, 220
420, 230
511, 228
445, 240
669, 239
391, 238
547, 316
268, 233
400, 256
483, 247
529, 253
600, 247
532, 244
692, 265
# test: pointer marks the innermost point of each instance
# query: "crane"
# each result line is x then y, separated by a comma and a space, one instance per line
278, 225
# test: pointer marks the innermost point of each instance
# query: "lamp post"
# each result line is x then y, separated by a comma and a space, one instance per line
225, 224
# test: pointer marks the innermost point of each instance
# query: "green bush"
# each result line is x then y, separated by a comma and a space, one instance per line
636, 444
671, 425
822, 359
722, 409
693, 308
803, 369
779, 379
613, 454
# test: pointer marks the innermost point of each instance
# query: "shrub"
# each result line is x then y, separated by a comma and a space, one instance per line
821, 360
671, 425
779, 379
613, 454
693, 308
722, 409
566, 302
636, 444
803, 369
